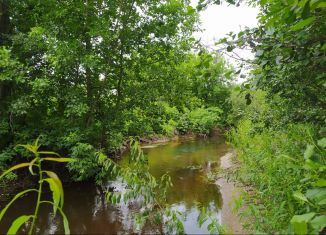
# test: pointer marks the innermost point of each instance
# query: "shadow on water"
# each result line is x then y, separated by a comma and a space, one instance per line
88, 212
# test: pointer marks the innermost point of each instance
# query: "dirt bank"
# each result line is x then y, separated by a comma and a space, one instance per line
229, 191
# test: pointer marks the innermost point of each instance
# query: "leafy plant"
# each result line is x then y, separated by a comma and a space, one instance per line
271, 163
141, 186
45, 176
214, 227
314, 220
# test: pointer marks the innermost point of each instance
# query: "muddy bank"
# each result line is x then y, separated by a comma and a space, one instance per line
229, 191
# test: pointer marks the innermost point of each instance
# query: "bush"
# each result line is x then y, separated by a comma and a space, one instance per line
85, 164
272, 163
200, 120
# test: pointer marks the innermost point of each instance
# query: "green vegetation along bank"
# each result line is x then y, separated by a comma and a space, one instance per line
86, 75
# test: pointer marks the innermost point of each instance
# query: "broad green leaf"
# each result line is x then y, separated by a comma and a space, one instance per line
18, 223
322, 143
318, 195
322, 202
321, 5
300, 222
318, 223
60, 159
309, 151
303, 23
55, 193
18, 195
320, 183
57, 180
300, 196
15, 167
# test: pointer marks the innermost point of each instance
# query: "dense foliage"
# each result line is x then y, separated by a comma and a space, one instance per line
88, 74
281, 132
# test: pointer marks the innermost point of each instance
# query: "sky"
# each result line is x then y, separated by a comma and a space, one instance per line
218, 20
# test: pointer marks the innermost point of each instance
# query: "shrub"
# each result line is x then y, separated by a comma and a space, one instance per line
272, 163
200, 120
85, 165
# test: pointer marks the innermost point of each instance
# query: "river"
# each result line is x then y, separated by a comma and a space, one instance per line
186, 160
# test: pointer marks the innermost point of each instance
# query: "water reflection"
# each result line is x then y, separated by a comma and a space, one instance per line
88, 212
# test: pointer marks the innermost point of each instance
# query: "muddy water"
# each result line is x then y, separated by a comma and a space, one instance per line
186, 161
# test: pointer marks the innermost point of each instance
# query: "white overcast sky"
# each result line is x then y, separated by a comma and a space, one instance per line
218, 20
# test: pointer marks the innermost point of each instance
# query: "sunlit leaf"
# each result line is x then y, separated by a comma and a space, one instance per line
320, 183
309, 151
64, 217
31, 164
300, 222
322, 142
55, 193
29, 147
57, 180
318, 223
300, 196
15, 167
317, 195
61, 159
18, 195
18, 223
36, 142
303, 23
48, 153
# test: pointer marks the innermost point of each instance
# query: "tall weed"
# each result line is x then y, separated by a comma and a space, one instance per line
272, 163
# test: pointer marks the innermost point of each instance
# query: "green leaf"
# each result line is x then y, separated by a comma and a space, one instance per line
15, 167
324, 46
309, 151
57, 180
31, 164
298, 195
322, 202
299, 222
318, 195
18, 223
48, 153
303, 23
320, 183
55, 193
322, 143
321, 5
29, 147
18, 195
60, 159
64, 217
306, 10
65, 222
318, 223
36, 142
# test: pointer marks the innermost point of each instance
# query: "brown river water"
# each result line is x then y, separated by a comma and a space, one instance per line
89, 213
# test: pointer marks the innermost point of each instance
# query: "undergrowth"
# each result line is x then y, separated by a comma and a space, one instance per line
272, 163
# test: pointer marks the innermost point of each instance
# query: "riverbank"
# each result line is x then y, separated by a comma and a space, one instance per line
229, 192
